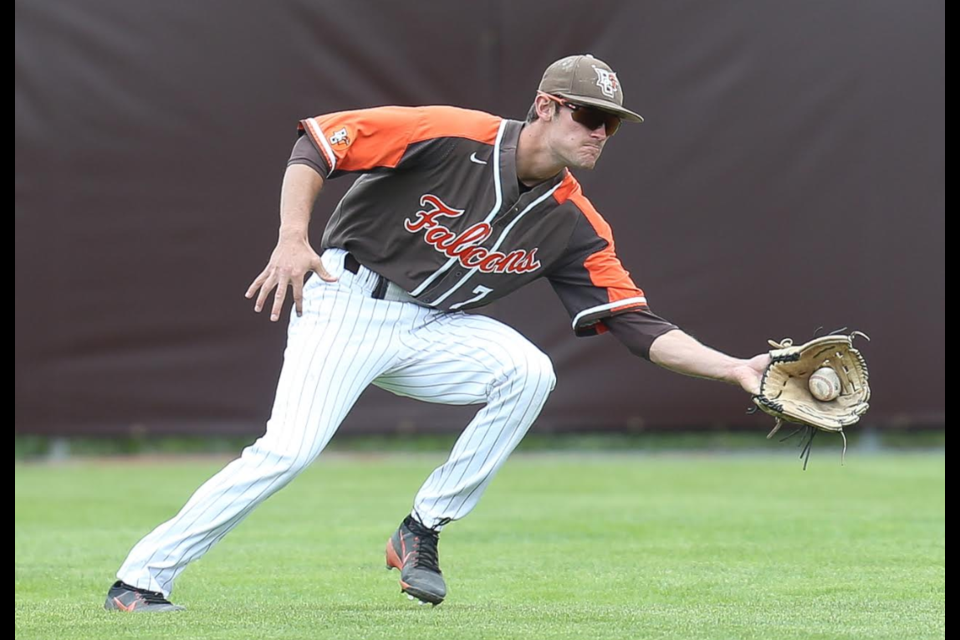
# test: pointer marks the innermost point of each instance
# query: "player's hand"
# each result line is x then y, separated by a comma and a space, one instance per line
748, 372
292, 259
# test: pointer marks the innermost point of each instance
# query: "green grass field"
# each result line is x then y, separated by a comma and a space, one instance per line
562, 546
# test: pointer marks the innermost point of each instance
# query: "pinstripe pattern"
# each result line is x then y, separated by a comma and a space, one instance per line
467, 359
345, 341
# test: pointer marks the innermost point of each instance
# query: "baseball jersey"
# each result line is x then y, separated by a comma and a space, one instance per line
438, 209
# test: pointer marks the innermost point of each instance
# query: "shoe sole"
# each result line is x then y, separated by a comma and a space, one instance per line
111, 606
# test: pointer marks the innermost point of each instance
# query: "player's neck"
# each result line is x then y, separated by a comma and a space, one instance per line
535, 161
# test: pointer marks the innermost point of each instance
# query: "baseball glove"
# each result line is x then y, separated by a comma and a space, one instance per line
785, 393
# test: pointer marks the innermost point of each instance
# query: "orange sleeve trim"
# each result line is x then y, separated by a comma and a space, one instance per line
604, 267
312, 127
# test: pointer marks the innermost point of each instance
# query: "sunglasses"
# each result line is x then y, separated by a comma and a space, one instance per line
589, 117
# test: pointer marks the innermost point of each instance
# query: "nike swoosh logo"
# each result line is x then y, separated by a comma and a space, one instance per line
123, 607
474, 158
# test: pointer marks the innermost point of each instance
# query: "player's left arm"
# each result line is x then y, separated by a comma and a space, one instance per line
681, 352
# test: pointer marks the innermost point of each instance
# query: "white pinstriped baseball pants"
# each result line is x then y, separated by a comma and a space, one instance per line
344, 341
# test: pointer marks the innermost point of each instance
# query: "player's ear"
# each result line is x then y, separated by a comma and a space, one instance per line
545, 107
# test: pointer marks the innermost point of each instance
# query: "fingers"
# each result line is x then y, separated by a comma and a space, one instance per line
260, 279
267, 281
279, 278
298, 294
282, 282
297, 282
265, 290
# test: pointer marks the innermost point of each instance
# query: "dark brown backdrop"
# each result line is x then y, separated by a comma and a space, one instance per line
790, 174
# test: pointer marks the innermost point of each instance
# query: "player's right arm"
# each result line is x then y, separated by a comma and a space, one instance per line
293, 256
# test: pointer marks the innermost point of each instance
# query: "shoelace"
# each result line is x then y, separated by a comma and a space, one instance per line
154, 597
151, 597
426, 547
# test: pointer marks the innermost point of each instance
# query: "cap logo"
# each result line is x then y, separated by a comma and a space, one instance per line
607, 81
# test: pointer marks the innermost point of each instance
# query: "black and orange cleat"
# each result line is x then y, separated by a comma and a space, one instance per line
123, 597
413, 550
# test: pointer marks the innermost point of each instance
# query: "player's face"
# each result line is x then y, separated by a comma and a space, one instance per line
580, 133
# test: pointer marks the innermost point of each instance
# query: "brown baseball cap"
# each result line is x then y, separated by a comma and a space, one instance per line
589, 81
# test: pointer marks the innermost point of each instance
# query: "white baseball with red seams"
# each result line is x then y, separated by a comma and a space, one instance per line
824, 384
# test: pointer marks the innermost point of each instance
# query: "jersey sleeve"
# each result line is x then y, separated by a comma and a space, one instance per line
589, 279
305, 153
392, 137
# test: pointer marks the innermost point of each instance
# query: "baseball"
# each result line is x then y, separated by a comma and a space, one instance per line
824, 384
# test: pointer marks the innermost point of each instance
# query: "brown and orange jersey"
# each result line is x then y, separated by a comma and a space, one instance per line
438, 210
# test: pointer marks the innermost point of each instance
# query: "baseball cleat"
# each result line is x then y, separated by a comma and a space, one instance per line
413, 550
123, 597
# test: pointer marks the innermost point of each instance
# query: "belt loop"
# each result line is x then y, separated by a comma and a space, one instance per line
351, 264
381, 289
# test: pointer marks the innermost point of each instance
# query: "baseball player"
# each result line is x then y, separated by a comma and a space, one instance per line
452, 210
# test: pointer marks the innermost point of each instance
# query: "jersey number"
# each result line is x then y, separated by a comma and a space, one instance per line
480, 291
